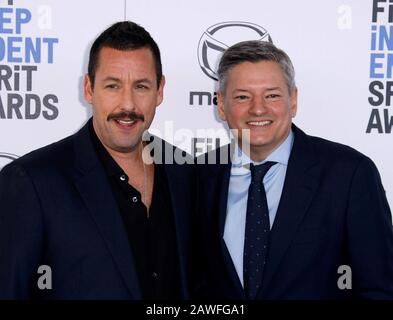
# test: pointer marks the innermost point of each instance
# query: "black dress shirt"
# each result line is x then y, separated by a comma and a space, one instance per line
152, 238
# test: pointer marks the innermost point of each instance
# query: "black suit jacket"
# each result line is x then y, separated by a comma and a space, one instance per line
57, 209
333, 211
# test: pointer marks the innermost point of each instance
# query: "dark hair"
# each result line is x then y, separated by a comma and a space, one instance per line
125, 35
255, 51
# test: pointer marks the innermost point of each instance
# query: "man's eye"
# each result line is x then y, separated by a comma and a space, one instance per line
241, 97
112, 86
273, 96
142, 86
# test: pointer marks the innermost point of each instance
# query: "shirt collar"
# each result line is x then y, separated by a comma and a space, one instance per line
110, 165
241, 161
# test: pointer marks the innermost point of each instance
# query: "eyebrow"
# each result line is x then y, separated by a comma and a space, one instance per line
267, 89
240, 90
144, 80
111, 79
274, 88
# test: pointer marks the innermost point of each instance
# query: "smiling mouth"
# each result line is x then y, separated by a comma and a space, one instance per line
126, 118
123, 122
264, 123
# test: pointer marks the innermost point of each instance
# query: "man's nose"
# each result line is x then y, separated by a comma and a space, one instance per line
127, 100
257, 106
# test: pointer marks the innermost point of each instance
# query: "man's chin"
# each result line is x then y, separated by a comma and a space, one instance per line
126, 147
255, 142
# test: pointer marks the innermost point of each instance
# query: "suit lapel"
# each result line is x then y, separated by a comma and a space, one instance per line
95, 190
300, 185
182, 207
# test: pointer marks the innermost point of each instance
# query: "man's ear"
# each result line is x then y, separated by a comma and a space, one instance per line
293, 102
160, 92
220, 106
87, 89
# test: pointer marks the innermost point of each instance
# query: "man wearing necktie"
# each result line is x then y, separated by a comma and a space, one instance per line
280, 212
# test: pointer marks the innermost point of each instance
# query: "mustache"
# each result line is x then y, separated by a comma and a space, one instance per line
129, 115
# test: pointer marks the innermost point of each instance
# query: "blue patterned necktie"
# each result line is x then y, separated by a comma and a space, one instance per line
256, 239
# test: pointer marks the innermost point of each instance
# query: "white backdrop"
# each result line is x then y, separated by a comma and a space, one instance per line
329, 43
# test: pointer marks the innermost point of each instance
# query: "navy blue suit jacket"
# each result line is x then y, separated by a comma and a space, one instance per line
333, 211
57, 209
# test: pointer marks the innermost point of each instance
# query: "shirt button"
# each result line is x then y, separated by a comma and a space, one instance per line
155, 275
134, 199
123, 177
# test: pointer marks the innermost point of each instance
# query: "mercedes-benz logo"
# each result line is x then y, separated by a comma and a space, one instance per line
217, 38
6, 158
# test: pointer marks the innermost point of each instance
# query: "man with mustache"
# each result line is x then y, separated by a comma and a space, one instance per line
288, 215
100, 208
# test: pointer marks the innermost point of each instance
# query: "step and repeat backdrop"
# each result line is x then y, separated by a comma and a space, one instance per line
342, 51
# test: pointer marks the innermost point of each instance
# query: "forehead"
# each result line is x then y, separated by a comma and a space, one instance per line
121, 62
255, 73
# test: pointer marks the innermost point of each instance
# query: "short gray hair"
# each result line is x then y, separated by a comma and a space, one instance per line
255, 51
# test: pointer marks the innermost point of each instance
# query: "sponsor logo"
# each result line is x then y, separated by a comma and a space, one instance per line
217, 38
214, 41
